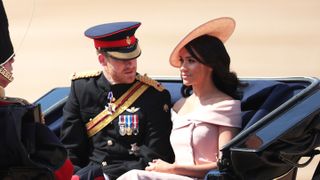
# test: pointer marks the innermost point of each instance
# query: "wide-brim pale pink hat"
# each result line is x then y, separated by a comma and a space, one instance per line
221, 28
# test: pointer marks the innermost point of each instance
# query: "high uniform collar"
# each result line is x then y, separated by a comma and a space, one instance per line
103, 83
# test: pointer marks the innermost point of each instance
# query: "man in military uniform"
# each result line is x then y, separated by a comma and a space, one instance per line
116, 119
28, 148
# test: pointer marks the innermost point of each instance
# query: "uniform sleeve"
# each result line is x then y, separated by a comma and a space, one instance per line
156, 142
157, 138
73, 132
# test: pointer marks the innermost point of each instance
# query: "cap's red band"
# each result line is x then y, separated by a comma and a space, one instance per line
118, 43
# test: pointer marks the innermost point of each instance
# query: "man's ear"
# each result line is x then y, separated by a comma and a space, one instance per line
102, 59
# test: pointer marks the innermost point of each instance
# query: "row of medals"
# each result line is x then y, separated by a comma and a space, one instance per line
128, 124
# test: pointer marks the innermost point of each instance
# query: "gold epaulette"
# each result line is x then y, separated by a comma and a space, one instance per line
147, 80
87, 74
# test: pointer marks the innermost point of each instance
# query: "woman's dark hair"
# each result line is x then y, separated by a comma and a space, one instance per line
211, 52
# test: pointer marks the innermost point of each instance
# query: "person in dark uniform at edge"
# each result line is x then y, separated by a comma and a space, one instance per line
15, 150
115, 120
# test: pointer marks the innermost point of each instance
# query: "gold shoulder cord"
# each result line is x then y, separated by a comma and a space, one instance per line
123, 103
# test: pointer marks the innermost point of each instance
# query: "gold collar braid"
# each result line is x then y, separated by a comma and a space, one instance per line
5, 73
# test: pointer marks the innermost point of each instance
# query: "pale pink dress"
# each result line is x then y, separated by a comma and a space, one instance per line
194, 137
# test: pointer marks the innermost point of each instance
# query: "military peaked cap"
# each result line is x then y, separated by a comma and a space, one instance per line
116, 39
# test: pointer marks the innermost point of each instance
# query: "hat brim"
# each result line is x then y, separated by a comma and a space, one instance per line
125, 55
221, 28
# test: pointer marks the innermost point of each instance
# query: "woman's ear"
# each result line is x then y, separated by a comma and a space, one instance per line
102, 59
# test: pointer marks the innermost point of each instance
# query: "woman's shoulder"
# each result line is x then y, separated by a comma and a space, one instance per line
221, 100
177, 105
224, 105
226, 111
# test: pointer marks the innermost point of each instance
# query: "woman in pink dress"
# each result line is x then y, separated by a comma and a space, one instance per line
208, 115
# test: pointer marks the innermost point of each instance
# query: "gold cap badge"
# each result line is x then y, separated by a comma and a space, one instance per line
128, 40
165, 108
